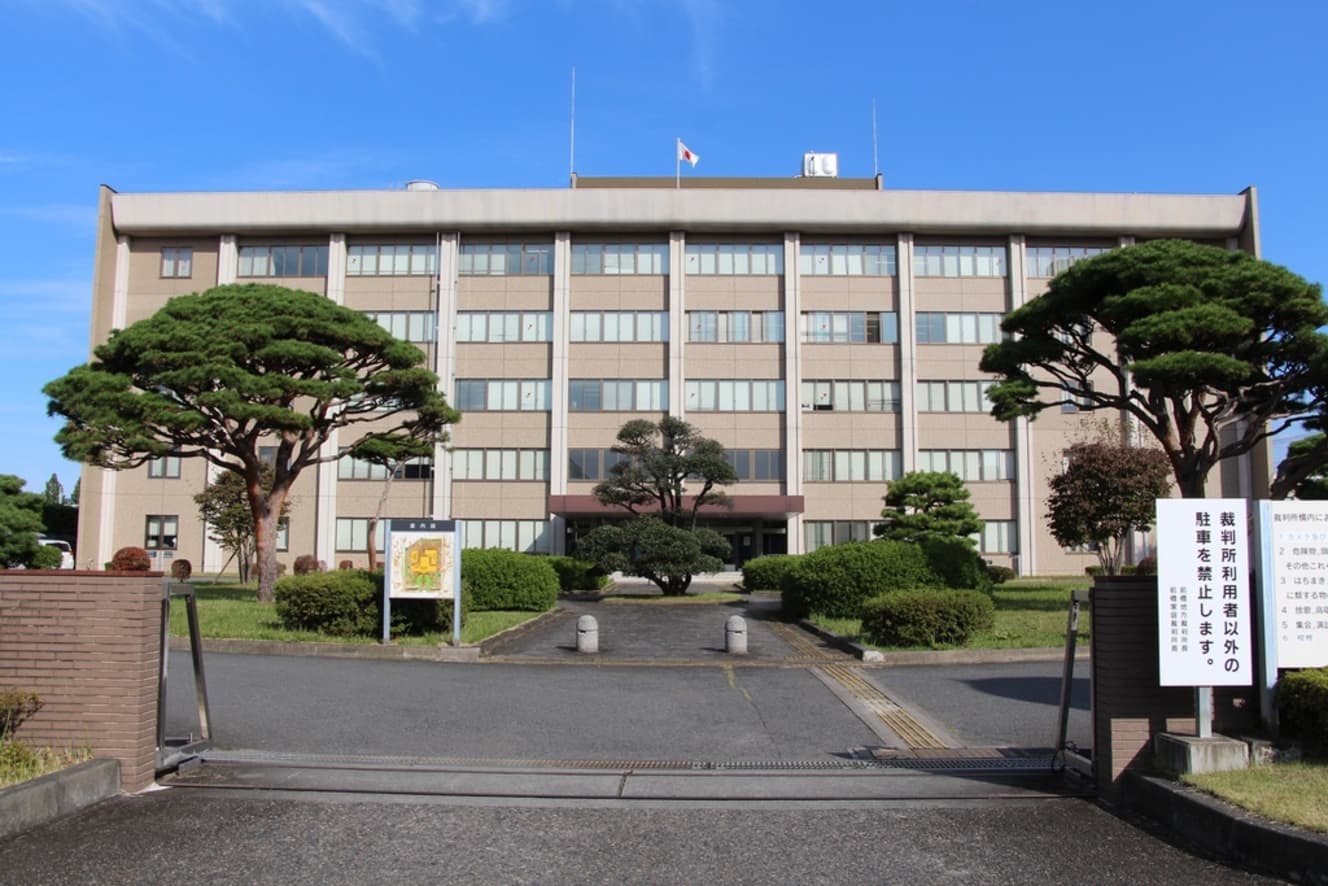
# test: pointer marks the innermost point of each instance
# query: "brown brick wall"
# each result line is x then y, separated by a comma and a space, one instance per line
87, 643
1129, 707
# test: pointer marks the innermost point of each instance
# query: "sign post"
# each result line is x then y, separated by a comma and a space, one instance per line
1203, 606
423, 562
1293, 585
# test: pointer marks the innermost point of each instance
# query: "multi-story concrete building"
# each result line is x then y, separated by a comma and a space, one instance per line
826, 330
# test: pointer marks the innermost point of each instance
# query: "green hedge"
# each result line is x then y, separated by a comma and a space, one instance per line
926, 618
340, 603
957, 563
577, 575
767, 573
1302, 702
349, 602
999, 574
835, 580
502, 579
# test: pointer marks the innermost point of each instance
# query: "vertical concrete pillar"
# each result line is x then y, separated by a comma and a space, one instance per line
1022, 428
908, 353
445, 286
793, 466
325, 495
677, 323
559, 413
228, 260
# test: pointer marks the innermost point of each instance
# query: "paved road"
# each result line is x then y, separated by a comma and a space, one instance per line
206, 836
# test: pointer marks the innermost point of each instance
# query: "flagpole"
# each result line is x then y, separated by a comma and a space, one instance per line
677, 165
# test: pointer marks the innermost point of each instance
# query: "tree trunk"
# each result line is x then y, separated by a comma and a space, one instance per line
378, 515
266, 508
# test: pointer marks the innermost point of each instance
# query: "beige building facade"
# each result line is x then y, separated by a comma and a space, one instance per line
826, 331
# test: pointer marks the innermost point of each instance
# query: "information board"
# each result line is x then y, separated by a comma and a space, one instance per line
1295, 581
1203, 566
421, 559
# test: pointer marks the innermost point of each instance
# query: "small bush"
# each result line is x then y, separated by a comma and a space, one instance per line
346, 564
926, 618
181, 569
1302, 703
130, 560
16, 706
1093, 571
767, 573
999, 575
1146, 566
253, 570
337, 603
577, 575
46, 557
502, 579
414, 617
957, 563
306, 564
835, 580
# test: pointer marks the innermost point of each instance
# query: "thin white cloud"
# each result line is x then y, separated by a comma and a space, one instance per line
45, 321
705, 18
340, 21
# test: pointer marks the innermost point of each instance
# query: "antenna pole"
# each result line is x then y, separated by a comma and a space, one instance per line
571, 159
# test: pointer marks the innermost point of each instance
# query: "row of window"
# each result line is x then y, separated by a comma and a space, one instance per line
760, 465
735, 326
735, 395
839, 327
953, 396
500, 464
937, 328
850, 396
617, 395
355, 469
412, 326
851, 465
504, 326
996, 537
505, 395
508, 259
970, 465
619, 326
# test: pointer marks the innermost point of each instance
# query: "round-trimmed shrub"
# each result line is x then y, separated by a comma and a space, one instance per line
1302, 703
999, 575
415, 616
307, 563
835, 580
502, 579
46, 557
1146, 566
130, 559
926, 618
338, 603
181, 569
957, 563
767, 573
577, 575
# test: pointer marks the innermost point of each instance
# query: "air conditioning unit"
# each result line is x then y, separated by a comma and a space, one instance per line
815, 165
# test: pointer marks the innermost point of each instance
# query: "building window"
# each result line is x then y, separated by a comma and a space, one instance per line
617, 395
504, 326
850, 396
353, 534
954, 396
998, 537
529, 536
177, 261
936, 328
165, 468
283, 261
820, 533
735, 395
959, 261
732, 327
356, 469
762, 465
838, 327
620, 258
392, 260
413, 326
1048, 261
619, 326
969, 465
846, 260
851, 465
505, 259
503, 395
162, 532
1075, 399
283, 534
500, 464
733, 259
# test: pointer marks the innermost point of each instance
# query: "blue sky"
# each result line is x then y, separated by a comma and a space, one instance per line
149, 95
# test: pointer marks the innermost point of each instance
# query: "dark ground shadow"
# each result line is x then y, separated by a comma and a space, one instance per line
1040, 690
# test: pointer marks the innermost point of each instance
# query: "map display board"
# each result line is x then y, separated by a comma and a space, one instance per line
421, 559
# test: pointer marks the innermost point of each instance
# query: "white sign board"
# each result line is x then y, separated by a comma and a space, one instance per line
1203, 588
421, 559
1295, 581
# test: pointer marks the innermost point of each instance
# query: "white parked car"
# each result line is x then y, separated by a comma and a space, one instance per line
66, 552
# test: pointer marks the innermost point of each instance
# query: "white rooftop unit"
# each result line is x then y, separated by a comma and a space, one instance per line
818, 165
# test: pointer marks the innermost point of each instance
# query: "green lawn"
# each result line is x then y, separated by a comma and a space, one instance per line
232, 611
1293, 793
1031, 613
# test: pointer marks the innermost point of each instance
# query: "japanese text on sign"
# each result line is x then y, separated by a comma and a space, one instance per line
1296, 576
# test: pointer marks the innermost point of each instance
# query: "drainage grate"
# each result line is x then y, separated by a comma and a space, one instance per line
969, 764
365, 761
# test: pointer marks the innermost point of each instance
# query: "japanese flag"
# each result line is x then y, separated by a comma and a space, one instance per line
686, 153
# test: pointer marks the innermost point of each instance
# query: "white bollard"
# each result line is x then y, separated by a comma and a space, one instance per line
587, 634
735, 635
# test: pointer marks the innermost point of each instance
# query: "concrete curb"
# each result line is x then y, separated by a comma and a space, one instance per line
53, 796
939, 656
515, 631
335, 650
1227, 832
